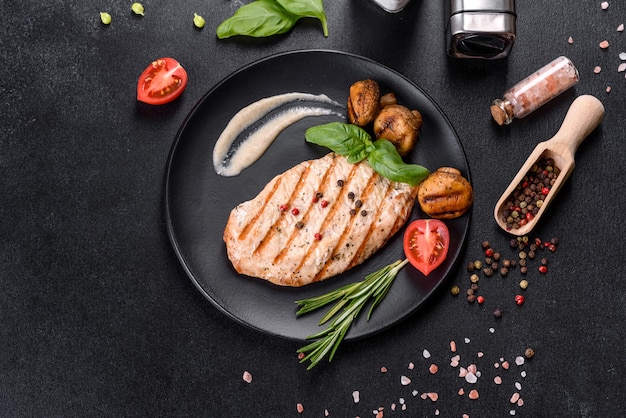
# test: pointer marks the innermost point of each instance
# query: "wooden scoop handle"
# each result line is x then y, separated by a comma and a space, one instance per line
583, 116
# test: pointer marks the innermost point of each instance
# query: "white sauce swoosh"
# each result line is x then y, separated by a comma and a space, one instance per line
254, 145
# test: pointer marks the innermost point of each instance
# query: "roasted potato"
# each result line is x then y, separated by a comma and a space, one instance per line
445, 194
364, 102
399, 125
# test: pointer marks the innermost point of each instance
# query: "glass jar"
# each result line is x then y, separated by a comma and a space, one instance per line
392, 6
534, 91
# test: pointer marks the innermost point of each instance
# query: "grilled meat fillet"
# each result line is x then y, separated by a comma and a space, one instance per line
316, 220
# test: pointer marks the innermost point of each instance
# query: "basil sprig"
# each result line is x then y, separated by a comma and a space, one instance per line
263, 18
354, 143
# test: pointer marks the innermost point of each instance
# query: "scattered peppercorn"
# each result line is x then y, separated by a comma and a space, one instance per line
283, 208
352, 212
295, 211
363, 212
523, 284
497, 313
317, 236
504, 271
455, 290
489, 252
471, 298
529, 352
324, 203
488, 271
351, 195
358, 203
485, 245
340, 183
299, 224
519, 300
523, 270
543, 269
480, 299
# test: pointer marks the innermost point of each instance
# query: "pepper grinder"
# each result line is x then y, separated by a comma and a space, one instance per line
480, 28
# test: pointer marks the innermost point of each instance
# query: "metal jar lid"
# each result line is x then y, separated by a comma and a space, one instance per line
506, 6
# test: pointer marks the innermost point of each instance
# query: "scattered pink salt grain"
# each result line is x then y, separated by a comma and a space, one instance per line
520, 402
466, 416
379, 414
247, 377
301, 356
480, 354
473, 394
300, 408
433, 396
326, 413
356, 396
433, 368
411, 366
519, 360
604, 5
505, 364
620, 28
453, 346
393, 406
570, 40
597, 69
514, 398
472, 368
461, 392
608, 89
604, 44
426, 354
462, 372
454, 361
621, 67
383, 369
497, 380
471, 378
405, 380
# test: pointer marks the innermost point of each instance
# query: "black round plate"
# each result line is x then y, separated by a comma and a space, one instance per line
198, 201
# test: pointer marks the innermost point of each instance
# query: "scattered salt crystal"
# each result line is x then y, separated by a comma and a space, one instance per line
621, 67
379, 414
401, 400
454, 361
405, 380
523, 373
620, 28
433, 368
424, 395
604, 5
480, 354
467, 340
497, 380
608, 89
426, 354
247, 377
383, 369
473, 394
461, 392
462, 372
404, 407
300, 408
505, 364
478, 373
597, 69
520, 402
512, 412
326, 413
414, 393
472, 368
519, 360
436, 412
496, 365
433, 396
492, 330
570, 40
471, 378
466, 416
411, 365
622, 56
604, 44
453, 346
518, 386
356, 396
393, 406
514, 398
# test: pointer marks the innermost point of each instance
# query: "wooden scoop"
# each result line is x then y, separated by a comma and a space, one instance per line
583, 116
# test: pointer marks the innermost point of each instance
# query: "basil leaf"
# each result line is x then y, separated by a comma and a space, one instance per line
257, 19
347, 140
386, 161
307, 8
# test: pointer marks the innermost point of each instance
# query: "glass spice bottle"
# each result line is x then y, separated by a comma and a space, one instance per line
534, 91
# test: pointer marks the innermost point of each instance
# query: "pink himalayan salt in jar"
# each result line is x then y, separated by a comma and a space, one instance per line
534, 91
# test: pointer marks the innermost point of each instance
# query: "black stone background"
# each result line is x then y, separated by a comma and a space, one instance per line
97, 317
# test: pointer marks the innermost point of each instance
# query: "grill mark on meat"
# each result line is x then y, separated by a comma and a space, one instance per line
356, 259
307, 214
281, 222
253, 220
344, 236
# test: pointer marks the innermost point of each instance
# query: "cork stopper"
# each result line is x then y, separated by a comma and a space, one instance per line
502, 112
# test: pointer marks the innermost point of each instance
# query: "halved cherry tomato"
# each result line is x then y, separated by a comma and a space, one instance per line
426, 243
161, 82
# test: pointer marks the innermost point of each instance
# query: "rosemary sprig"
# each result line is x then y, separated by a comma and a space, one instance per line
351, 298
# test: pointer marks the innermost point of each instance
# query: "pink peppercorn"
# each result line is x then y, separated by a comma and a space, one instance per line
324, 203
543, 269
283, 208
295, 211
317, 236
519, 299
480, 299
